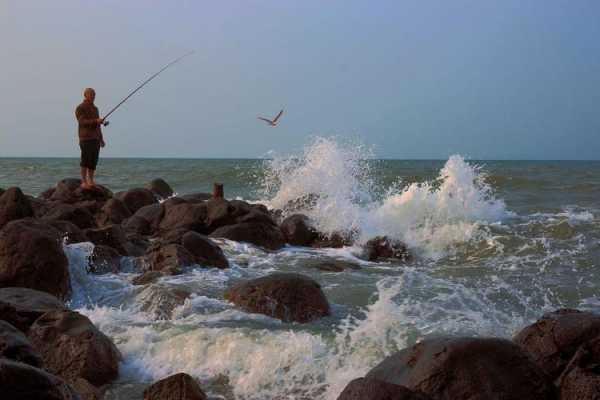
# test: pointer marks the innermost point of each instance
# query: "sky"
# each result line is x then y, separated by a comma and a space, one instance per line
507, 79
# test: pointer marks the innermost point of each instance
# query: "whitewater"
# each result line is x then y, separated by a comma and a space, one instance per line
494, 245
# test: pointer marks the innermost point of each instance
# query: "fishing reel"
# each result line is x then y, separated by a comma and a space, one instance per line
105, 123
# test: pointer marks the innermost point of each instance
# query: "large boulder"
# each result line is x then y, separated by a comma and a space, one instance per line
104, 260
136, 198
69, 232
580, 380
259, 234
114, 236
288, 297
184, 215
175, 387
31, 256
114, 211
553, 340
15, 346
72, 347
160, 300
14, 205
384, 248
168, 258
220, 212
79, 216
137, 226
204, 250
21, 307
196, 198
466, 368
21, 381
373, 389
298, 231
160, 188
69, 190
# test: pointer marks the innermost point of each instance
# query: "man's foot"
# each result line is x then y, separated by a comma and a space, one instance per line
85, 185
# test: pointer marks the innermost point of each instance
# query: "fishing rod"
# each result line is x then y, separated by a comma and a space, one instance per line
105, 123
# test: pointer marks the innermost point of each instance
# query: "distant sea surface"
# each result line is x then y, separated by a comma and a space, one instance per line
496, 244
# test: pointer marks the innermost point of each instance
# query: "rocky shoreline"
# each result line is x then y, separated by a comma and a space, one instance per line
50, 352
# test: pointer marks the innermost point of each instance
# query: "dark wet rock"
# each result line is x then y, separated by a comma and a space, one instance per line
136, 198
373, 389
79, 216
335, 240
104, 260
196, 198
70, 191
288, 297
114, 211
21, 381
161, 300
69, 232
39, 206
580, 380
151, 213
147, 278
137, 225
466, 368
204, 250
114, 236
257, 216
15, 346
72, 347
86, 390
263, 235
160, 188
168, 257
298, 231
184, 215
303, 203
384, 248
553, 340
220, 212
31, 256
14, 205
175, 387
21, 307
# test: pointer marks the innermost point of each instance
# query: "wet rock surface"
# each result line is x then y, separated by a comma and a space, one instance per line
175, 387
259, 234
104, 260
384, 248
136, 198
580, 380
160, 188
15, 346
298, 231
285, 296
14, 205
373, 389
21, 306
466, 368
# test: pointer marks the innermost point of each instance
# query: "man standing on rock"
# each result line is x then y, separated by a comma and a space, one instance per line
90, 137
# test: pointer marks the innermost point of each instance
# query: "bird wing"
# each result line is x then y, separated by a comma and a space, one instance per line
266, 120
277, 117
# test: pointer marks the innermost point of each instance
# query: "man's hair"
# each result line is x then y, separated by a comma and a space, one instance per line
88, 90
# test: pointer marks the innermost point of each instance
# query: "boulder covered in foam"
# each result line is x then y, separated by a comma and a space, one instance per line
383, 248
298, 231
175, 387
466, 368
285, 296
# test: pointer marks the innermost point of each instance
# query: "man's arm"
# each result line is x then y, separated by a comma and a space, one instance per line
83, 119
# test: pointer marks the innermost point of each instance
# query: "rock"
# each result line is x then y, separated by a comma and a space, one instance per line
69, 232
21, 381
196, 198
581, 378
303, 203
168, 257
137, 225
147, 278
263, 235
72, 347
160, 300
104, 260
466, 368
39, 206
553, 340
256, 216
152, 213
21, 307
1, 191
219, 212
160, 188
114, 236
79, 216
373, 389
204, 250
184, 215
31, 256
288, 297
14, 205
336, 240
175, 387
381, 247
70, 191
136, 198
297, 230
114, 211
86, 390
15, 346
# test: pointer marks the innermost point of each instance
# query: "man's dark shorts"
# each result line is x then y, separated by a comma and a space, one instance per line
90, 150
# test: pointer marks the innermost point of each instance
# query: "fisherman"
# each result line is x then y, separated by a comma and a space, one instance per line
90, 137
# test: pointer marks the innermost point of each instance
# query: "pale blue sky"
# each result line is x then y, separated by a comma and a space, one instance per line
487, 79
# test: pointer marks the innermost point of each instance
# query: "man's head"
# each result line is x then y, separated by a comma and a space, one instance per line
89, 94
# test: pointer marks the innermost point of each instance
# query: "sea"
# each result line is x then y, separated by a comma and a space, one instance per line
495, 244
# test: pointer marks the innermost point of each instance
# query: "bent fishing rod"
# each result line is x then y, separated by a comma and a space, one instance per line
105, 123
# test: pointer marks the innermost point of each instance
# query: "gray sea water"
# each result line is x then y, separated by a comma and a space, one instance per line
496, 244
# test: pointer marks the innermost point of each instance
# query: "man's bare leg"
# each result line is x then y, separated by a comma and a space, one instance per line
84, 177
90, 181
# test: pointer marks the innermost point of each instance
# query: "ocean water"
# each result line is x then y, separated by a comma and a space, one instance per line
496, 244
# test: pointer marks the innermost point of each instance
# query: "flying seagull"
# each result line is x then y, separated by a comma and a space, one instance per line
274, 121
